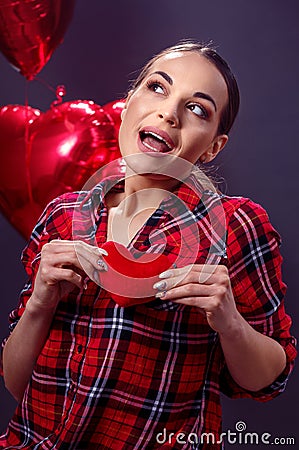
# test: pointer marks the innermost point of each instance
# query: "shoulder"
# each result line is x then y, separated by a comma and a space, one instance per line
56, 221
57, 210
251, 217
238, 212
245, 215
243, 205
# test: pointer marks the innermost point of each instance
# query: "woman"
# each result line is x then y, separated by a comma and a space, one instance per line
89, 373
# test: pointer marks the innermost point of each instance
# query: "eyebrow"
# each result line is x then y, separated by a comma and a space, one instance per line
165, 76
196, 94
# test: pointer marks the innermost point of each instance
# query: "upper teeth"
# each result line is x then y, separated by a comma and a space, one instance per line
157, 136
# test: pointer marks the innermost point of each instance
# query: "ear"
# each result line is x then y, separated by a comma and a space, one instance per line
122, 114
217, 145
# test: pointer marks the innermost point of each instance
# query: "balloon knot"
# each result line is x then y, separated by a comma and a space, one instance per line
60, 93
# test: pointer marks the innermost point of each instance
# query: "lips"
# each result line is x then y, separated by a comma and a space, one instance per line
152, 139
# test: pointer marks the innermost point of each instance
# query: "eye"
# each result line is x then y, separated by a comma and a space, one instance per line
155, 86
198, 110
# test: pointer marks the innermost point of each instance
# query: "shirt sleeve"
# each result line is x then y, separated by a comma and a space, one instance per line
254, 263
44, 231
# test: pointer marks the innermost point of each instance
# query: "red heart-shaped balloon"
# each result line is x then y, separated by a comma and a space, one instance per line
31, 30
113, 111
47, 154
14, 176
130, 280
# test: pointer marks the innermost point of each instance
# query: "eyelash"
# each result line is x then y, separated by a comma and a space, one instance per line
153, 83
205, 114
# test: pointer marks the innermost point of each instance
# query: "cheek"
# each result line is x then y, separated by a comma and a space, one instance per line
122, 137
195, 140
127, 115
123, 113
202, 134
137, 106
123, 130
126, 133
131, 117
195, 143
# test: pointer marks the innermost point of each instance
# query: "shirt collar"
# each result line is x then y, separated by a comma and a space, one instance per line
190, 192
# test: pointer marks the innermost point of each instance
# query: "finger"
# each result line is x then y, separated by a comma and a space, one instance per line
92, 262
93, 268
192, 277
205, 303
90, 248
189, 290
60, 260
199, 302
79, 254
90, 257
50, 261
204, 270
55, 275
58, 245
177, 295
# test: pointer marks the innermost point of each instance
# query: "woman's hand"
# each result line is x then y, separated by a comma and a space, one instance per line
253, 359
63, 265
205, 286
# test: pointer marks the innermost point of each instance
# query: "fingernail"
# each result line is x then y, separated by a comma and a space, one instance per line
85, 285
102, 265
160, 285
166, 274
160, 294
102, 251
96, 277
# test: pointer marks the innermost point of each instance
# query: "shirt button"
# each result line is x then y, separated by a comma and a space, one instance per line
80, 348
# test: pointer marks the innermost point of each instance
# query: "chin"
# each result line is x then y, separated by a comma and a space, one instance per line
143, 164
156, 176
158, 169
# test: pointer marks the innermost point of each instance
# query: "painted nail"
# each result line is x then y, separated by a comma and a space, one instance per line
96, 277
102, 251
102, 265
166, 274
160, 285
161, 294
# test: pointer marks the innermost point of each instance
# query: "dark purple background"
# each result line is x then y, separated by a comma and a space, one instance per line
107, 42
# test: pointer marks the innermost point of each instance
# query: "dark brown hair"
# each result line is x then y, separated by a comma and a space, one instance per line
231, 109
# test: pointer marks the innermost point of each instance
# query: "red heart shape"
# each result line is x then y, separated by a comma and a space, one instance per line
31, 30
47, 154
130, 280
14, 201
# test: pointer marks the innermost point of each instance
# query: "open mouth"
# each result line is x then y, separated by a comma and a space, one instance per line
155, 142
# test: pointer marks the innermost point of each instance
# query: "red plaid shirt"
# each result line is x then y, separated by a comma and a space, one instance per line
136, 377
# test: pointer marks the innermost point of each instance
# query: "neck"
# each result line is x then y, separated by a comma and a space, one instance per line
145, 191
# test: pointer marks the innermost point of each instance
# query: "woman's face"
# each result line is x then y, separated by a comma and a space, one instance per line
176, 110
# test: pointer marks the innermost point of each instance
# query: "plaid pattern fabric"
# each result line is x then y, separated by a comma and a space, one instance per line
126, 378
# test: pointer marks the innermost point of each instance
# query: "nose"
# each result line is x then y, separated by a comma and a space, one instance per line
169, 113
